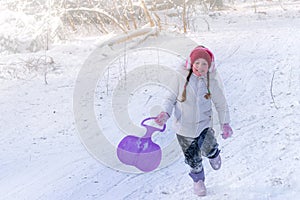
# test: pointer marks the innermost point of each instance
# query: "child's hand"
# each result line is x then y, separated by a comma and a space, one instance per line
227, 131
162, 118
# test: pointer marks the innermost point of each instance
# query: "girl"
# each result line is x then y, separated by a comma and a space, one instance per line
191, 100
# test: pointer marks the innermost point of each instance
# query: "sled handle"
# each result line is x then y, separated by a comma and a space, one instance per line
151, 128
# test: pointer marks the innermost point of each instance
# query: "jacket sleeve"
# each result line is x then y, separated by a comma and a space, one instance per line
218, 97
169, 103
170, 98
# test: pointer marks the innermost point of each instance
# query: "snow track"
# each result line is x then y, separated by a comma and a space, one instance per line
258, 56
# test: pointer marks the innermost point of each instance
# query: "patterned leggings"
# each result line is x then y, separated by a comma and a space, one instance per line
205, 145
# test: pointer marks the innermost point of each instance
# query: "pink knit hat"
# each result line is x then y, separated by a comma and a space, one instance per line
201, 52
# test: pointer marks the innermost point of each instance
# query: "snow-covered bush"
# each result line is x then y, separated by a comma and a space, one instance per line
32, 25
21, 32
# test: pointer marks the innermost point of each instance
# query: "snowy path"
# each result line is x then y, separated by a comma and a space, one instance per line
41, 156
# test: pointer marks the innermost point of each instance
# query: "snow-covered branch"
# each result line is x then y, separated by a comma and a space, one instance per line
145, 32
99, 11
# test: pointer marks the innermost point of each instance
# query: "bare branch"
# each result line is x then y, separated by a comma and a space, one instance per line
147, 13
99, 11
271, 90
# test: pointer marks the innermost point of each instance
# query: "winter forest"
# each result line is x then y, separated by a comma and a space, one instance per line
77, 77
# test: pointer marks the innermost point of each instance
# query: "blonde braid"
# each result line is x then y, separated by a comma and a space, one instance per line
208, 94
183, 96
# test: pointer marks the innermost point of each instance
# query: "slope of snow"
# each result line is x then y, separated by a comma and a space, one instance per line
257, 54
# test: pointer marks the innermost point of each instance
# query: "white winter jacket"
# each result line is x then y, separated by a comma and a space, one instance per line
195, 114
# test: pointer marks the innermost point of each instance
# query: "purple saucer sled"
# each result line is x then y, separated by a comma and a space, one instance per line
141, 152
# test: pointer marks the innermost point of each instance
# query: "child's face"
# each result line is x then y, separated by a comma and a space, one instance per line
200, 67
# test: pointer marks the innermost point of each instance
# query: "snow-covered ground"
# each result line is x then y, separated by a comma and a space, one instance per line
257, 55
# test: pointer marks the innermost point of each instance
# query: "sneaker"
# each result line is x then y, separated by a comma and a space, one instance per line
215, 163
199, 188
